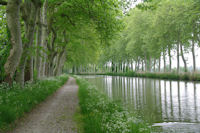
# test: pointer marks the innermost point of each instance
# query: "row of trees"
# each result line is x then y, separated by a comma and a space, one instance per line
154, 33
37, 37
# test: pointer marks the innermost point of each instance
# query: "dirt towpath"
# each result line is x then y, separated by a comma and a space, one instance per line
55, 115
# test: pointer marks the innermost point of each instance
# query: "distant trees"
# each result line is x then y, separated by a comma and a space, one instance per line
154, 33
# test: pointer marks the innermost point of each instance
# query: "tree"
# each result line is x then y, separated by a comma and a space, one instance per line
14, 27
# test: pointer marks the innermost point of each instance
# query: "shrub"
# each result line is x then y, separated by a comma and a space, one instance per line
102, 115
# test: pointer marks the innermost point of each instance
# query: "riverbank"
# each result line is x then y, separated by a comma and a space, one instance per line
168, 76
100, 114
16, 101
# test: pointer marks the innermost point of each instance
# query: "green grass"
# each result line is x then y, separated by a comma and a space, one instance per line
168, 76
15, 101
78, 119
102, 115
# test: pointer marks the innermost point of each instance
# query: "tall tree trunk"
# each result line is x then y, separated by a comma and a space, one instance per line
44, 39
164, 59
62, 63
60, 55
112, 67
142, 65
183, 58
154, 65
13, 21
124, 67
170, 59
193, 55
178, 60
52, 59
150, 66
131, 65
53, 52
38, 43
136, 66
29, 19
29, 70
146, 64
159, 64
119, 67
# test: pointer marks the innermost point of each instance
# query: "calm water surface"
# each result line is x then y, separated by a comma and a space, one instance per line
170, 106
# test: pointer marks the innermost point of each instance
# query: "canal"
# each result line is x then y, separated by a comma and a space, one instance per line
169, 106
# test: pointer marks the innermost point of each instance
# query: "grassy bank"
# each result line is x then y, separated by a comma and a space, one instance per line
169, 76
102, 115
15, 101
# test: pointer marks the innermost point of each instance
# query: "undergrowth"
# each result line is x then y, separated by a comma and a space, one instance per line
102, 115
15, 101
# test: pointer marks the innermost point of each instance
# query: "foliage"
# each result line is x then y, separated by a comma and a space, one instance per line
151, 33
102, 115
15, 101
4, 43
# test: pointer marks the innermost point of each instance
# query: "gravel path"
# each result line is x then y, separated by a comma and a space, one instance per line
55, 115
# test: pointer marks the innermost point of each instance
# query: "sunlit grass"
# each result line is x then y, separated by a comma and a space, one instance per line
102, 115
15, 101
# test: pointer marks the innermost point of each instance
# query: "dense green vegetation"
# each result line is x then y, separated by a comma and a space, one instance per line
44, 38
39, 37
159, 36
16, 101
100, 114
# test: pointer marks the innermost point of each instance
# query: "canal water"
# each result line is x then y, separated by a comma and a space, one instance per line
169, 106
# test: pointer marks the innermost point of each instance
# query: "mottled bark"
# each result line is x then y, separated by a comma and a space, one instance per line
38, 43
53, 52
13, 21
29, 16
44, 37
61, 54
